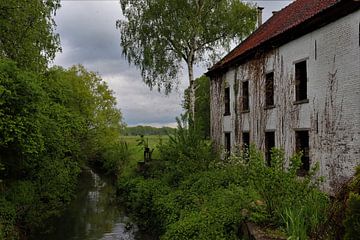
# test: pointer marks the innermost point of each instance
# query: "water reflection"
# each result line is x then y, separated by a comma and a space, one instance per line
93, 214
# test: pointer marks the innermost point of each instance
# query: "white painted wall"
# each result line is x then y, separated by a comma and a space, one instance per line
333, 112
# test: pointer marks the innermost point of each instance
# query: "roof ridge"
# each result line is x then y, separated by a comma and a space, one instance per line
291, 16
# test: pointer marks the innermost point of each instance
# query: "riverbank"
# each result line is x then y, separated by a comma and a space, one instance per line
190, 193
94, 213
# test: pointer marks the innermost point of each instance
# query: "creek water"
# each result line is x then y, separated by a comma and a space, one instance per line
94, 214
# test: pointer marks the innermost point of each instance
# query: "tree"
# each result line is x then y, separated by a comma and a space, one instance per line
202, 105
51, 124
27, 32
158, 35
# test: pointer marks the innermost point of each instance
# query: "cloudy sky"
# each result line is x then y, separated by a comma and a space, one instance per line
89, 37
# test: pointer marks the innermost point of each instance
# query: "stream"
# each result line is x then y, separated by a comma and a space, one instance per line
94, 214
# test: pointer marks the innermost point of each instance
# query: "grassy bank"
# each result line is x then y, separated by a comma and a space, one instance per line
190, 193
136, 151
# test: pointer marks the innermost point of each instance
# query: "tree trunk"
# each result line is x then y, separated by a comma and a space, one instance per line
192, 93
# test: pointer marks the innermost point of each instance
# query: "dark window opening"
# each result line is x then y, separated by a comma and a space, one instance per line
227, 101
228, 143
245, 96
269, 144
246, 140
302, 145
301, 81
315, 50
269, 90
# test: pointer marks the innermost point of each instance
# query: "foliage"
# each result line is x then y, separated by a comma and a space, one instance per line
51, 125
202, 105
192, 194
352, 214
186, 152
147, 130
352, 221
27, 32
159, 36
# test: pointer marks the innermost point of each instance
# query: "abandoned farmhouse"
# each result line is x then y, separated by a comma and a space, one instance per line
295, 84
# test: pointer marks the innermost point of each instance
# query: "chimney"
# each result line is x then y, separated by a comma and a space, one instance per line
260, 9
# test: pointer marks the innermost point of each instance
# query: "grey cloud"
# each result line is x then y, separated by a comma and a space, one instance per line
139, 105
89, 37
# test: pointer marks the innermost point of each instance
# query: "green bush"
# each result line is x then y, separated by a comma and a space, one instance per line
193, 194
7, 220
114, 156
352, 220
352, 215
51, 124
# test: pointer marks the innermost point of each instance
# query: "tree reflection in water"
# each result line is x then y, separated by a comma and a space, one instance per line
93, 214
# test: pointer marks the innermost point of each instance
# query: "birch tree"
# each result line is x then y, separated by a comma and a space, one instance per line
159, 36
27, 32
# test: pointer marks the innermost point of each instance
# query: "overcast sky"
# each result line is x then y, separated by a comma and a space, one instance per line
89, 37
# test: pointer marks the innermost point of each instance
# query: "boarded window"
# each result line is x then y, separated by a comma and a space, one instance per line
227, 101
269, 144
301, 81
245, 96
269, 90
245, 140
228, 142
302, 145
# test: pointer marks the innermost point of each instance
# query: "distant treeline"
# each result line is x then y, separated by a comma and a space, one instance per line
147, 130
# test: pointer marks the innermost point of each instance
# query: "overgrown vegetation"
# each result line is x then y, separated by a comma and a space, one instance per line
51, 125
53, 121
192, 194
202, 105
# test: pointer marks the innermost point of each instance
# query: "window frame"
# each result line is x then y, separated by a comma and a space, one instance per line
301, 81
267, 149
270, 101
245, 96
227, 142
245, 144
299, 146
227, 102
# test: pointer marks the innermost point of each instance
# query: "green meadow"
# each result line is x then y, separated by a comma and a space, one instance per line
137, 151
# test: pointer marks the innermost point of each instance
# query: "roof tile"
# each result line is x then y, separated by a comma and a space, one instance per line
289, 17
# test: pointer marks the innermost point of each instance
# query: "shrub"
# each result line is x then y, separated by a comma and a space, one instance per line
352, 220
193, 194
7, 220
115, 156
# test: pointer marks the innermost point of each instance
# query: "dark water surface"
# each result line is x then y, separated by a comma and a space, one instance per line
94, 214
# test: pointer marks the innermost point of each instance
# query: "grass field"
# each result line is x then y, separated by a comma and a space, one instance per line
137, 152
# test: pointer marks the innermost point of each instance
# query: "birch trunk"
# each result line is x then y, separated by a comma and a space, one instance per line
192, 92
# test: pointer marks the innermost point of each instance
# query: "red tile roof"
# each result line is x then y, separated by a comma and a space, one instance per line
291, 16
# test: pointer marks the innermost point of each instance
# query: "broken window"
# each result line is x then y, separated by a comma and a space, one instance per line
269, 144
301, 81
269, 90
245, 96
245, 140
227, 101
228, 142
302, 145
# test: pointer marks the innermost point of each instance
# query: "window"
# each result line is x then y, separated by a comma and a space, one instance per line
245, 140
228, 142
227, 101
269, 144
301, 81
302, 145
269, 90
245, 96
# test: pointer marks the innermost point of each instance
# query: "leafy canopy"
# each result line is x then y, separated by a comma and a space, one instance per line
158, 35
27, 32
